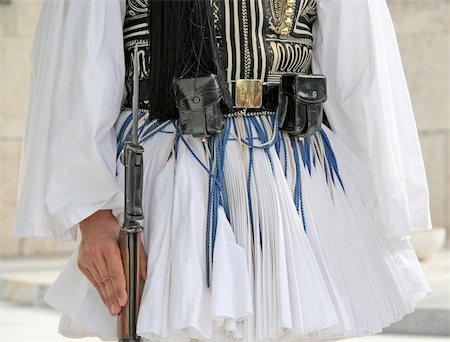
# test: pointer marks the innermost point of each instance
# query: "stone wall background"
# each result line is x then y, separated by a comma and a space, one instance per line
18, 19
423, 33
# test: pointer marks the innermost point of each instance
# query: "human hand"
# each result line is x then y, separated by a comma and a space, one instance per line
100, 261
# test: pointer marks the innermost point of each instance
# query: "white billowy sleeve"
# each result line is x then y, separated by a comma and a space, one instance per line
369, 110
69, 152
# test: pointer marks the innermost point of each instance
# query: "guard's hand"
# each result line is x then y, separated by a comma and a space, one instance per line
100, 261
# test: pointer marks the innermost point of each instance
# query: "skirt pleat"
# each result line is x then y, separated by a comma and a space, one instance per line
274, 226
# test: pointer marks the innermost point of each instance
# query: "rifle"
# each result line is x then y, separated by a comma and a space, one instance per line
130, 232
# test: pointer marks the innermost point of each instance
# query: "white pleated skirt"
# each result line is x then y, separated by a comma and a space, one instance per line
251, 236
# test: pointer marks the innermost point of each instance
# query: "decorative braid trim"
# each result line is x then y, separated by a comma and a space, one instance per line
243, 112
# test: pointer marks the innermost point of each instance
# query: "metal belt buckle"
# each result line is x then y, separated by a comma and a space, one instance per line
248, 93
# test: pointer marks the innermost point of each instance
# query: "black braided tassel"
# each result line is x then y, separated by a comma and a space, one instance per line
182, 44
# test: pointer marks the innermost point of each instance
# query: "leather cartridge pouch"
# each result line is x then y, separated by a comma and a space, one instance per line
198, 101
301, 98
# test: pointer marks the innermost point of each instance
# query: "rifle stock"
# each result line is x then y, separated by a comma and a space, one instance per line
129, 246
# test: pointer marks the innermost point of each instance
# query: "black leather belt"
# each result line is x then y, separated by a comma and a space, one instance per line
270, 96
269, 99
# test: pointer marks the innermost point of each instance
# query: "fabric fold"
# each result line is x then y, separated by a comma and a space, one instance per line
370, 111
68, 159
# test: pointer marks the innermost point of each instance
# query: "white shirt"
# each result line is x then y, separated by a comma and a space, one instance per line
77, 86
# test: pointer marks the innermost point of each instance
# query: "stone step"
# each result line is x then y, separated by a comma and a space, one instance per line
25, 281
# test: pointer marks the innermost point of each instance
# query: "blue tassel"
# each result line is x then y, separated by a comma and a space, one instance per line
249, 178
331, 158
263, 137
146, 130
216, 194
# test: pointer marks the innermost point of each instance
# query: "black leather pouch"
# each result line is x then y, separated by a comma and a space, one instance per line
198, 101
301, 98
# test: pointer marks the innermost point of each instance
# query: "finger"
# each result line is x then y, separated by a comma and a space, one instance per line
143, 262
117, 276
95, 279
107, 283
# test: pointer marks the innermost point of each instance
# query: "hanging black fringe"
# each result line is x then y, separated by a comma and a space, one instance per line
183, 44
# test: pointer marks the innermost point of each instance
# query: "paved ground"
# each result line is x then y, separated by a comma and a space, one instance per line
39, 324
